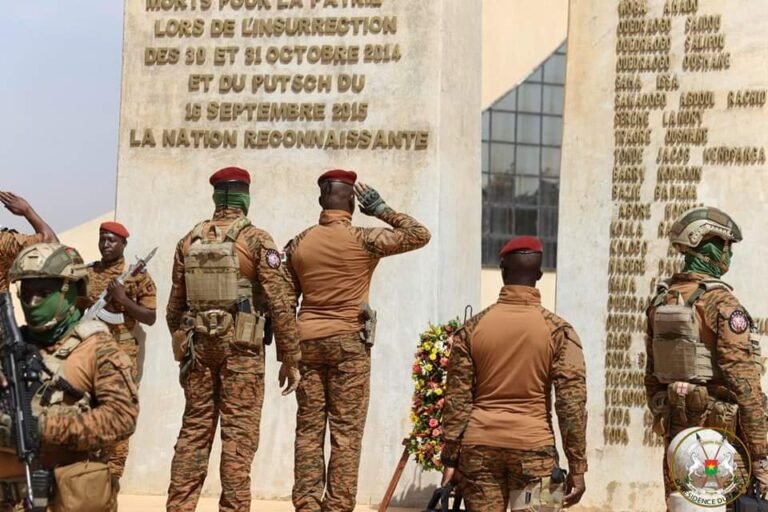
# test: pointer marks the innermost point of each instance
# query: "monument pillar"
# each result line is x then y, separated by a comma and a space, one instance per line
288, 89
665, 110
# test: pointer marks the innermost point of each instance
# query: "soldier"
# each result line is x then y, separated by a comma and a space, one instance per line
332, 265
497, 420
133, 302
91, 401
12, 242
717, 384
226, 275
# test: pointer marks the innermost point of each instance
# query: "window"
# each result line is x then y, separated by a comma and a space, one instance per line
521, 138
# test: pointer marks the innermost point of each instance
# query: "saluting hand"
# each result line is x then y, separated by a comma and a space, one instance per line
370, 200
574, 487
291, 375
15, 204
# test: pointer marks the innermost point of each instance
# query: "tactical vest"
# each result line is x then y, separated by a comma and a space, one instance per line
212, 268
55, 388
678, 352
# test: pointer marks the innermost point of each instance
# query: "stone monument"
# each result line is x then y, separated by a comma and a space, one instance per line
287, 89
665, 109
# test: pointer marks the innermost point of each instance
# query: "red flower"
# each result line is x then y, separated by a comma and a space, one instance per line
436, 432
433, 422
440, 403
444, 362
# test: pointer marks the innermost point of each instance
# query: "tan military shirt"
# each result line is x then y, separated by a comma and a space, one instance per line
97, 367
504, 363
260, 263
725, 328
139, 288
332, 265
11, 244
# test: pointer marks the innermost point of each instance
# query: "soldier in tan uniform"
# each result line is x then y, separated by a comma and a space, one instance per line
497, 418
92, 402
227, 277
12, 242
332, 265
135, 301
695, 313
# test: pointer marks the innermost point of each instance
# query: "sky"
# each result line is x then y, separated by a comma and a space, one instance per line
60, 65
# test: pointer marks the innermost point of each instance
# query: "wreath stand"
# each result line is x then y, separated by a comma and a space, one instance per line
384, 505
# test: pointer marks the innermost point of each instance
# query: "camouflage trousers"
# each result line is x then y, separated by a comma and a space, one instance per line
117, 454
223, 382
334, 391
493, 477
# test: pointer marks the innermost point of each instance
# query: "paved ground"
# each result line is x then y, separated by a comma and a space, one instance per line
157, 504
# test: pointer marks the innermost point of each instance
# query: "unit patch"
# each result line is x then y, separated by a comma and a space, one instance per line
273, 258
738, 322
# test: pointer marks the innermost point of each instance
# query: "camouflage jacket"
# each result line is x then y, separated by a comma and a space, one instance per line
272, 284
332, 265
567, 374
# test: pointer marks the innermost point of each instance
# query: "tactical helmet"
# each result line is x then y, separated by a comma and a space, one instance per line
41, 261
699, 224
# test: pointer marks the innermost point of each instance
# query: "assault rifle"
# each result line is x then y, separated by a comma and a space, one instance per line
98, 311
21, 367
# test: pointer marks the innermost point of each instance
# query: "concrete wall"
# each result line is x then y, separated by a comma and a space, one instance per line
164, 191
517, 36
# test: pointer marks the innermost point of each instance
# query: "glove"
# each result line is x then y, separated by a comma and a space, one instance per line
370, 201
290, 374
6, 432
760, 473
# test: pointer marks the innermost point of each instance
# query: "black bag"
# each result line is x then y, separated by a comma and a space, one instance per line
751, 501
441, 498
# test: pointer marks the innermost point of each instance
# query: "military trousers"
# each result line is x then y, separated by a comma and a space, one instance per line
224, 383
493, 478
334, 394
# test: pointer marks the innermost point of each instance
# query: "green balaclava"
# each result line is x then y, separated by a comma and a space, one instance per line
709, 257
50, 319
224, 198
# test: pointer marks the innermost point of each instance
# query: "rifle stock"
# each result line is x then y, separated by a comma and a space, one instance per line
23, 376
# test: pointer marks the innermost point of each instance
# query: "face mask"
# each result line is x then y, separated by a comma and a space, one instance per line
44, 311
52, 317
222, 198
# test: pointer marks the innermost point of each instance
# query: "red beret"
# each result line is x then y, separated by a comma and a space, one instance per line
114, 227
230, 174
522, 243
341, 175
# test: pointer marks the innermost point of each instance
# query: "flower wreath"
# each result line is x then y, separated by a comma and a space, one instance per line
430, 374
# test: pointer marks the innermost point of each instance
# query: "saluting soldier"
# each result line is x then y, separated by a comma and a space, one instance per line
227, 278
11, 241
89, 402
133, 302
332, 264
504, 363
696, 313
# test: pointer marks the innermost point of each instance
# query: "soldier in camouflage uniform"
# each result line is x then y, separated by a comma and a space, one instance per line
92, 401
497, 426
135, 301
332, 265
12, 242
696, 310
227, 275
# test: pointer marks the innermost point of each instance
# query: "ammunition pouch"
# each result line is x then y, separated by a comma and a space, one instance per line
368, 319
249, 332
722, 415
214, 323
82, 487
181, 339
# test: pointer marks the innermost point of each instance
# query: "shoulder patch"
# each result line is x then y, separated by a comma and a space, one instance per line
738, 322
273, 259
